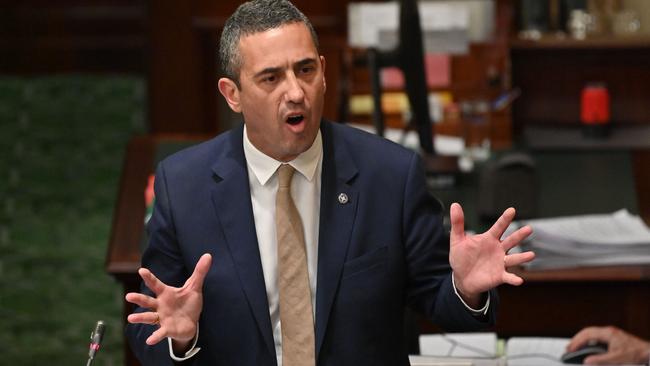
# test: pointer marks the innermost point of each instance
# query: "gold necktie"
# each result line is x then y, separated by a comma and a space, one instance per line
296, 314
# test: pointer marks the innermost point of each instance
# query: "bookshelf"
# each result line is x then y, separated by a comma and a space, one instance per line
552, 73
482, 73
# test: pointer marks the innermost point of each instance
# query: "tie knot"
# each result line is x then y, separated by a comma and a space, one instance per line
285, 173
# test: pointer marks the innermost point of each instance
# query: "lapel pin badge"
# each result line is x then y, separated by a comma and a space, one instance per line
343, 198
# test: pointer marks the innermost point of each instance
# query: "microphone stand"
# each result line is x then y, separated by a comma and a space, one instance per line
95, 340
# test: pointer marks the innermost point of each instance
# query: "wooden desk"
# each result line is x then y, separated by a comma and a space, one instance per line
561, 302
556, 303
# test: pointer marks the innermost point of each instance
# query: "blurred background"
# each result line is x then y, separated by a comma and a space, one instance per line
73, 91
62, 146
93, 93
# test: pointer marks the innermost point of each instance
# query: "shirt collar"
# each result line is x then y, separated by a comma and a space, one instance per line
264, 166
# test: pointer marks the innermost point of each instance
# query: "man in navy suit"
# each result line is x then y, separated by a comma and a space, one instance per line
373, 236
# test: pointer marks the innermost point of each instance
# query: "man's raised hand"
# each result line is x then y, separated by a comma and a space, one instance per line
479, 261
175, 309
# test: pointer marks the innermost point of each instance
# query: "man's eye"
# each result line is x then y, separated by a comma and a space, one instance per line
307, 69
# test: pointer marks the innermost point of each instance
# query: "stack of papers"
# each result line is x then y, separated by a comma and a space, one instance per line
619, 238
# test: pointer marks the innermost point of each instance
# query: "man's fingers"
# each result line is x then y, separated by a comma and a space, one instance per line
580, 338
148, 317
512, 279
517, 237
502, 223
141, 300
151, 281
589, 334
200, 271
517, 259
156, 336
457, 223
602, 359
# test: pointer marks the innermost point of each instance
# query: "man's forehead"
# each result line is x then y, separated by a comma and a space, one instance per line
277, 47
295, 31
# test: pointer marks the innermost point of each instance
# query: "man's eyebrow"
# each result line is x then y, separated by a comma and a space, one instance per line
277, 69
266, 71
305, 61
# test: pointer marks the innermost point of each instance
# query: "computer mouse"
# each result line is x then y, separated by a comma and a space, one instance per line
579, 355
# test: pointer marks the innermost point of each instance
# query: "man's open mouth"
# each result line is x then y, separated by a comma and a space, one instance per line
294, 120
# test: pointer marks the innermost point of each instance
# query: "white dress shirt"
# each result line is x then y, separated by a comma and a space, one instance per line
305, 191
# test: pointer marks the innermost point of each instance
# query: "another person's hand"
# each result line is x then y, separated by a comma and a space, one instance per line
622, 347
479, 261
175, 309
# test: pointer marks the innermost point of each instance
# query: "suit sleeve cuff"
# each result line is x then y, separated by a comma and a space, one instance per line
189, 354
477, 312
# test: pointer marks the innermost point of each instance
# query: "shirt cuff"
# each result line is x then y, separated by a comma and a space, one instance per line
479, 312
189, 354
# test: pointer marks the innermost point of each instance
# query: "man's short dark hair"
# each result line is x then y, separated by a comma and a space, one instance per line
254, 17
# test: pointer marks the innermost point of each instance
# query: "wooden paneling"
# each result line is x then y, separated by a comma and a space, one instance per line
176, 70
642, 181
72, 36
561, 308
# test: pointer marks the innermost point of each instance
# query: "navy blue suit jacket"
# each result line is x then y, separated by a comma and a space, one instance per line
381, 251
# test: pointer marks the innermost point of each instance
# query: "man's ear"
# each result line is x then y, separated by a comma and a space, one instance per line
230, 91
322, 64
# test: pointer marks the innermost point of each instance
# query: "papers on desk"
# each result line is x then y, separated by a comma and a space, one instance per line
519, 351
535, 351
453, 361
619, 238
480, 349
459, 345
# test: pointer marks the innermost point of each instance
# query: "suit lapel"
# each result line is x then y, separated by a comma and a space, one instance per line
232, 202
336, 221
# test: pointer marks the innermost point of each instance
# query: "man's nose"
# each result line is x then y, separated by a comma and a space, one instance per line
294, 92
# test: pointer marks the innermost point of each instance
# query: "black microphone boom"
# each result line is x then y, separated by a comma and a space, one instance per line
95, 341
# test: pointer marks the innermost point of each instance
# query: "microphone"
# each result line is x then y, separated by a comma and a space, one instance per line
95, 340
